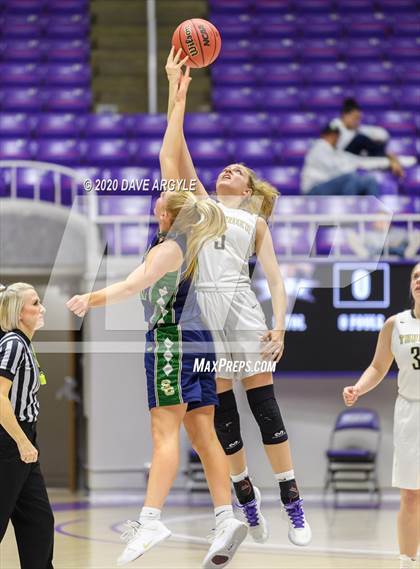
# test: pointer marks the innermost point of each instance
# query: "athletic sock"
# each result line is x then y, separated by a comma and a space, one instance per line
407, 562
148, 514
221, 513
289, 491
244, 489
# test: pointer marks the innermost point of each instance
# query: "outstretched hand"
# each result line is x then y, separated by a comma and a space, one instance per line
184, 83
78, 304
174, 64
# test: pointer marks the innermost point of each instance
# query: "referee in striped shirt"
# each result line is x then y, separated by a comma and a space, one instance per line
23, 496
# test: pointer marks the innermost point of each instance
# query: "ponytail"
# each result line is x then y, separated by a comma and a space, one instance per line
200, 219
263, 196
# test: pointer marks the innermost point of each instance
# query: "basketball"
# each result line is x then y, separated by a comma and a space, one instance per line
198, 39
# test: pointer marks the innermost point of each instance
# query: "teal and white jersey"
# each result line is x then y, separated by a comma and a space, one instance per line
172, 299
405, 346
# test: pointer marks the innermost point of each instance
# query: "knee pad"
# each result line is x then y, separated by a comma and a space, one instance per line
266, 411
227, 423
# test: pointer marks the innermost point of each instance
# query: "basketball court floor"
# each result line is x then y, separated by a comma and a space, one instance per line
87, 535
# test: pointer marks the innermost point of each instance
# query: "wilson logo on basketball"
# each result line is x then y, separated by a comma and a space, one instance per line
204, 35
190, 42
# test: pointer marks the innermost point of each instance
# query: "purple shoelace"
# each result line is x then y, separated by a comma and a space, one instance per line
296, 514
250, 510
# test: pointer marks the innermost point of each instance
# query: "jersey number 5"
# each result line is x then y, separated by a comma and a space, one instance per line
220, 243
415, 352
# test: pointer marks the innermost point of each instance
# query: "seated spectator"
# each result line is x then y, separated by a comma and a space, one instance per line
365, 140
333, 172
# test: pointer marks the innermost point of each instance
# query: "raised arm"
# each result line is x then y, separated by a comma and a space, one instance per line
377, 370
186, 166
267, 257
162, 259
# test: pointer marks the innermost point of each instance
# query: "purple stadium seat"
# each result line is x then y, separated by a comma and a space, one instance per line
210, 152
396, 122
327, 25
67, 6
362, 48
22, 100
252, 124
71, 26
244, 74
374, 72
147, 125
405, 25
276, 50
331, 73
15, 149
369, 24
108, 152
20, 74
14, 125
21, 26
403, 48
285, 179
286, 74
146, 152
106, 125
402, 146
58, 126
254, 152
292, 151
293, 238
28, 50
409, 72
276, 26
374, 96
234, 98
409, 98
315, 6
323, 97
399, 204
356, 5
400, 6
282, 98
233, 26
30, 178
124, 204
298, 125
126, 177
241, 6
411, 181
68, 100
65, 152
23, 6
205, 124
67, 75
388, 184
208, 177
68, 50
236, 50
273, 7
318, 49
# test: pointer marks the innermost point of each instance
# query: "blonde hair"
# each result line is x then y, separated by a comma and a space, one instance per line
200, 219
11, 304
264, 191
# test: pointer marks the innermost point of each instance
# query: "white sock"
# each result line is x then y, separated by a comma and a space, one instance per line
239, 477
285, 476
148, 514
407, 562
221, 513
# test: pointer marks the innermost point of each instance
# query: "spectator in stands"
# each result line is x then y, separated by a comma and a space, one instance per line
330, 171
365, 140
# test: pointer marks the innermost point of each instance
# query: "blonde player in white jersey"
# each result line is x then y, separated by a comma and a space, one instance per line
399, 339
242, 340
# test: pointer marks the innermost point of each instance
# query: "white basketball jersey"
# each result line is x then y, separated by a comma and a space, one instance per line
223, 263
405, 346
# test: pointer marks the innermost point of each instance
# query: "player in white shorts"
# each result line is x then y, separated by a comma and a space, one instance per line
399, 339
241, 336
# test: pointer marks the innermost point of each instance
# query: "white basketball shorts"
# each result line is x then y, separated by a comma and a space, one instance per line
406, 468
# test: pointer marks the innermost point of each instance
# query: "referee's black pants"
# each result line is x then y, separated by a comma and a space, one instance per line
24, 501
